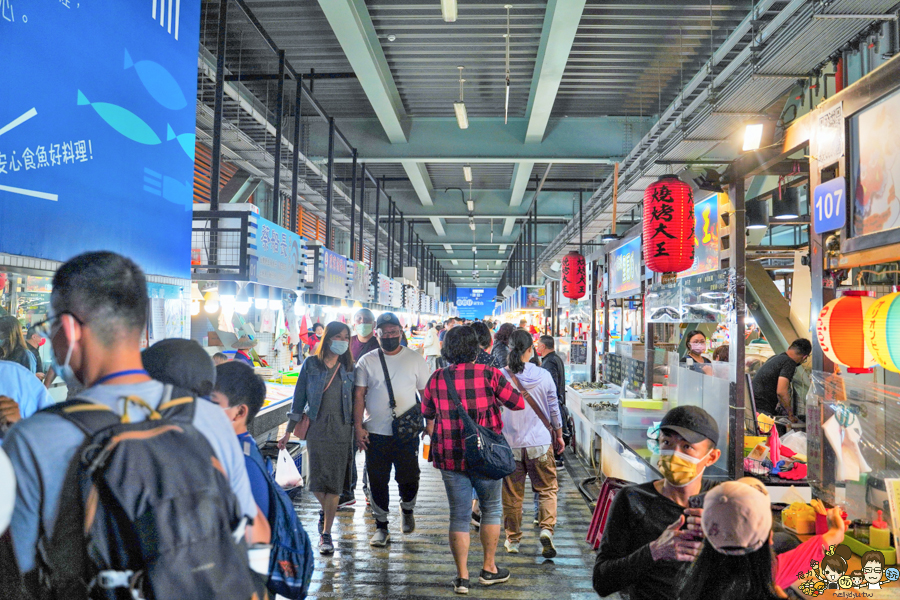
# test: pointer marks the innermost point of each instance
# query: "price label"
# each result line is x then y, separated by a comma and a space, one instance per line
830, 205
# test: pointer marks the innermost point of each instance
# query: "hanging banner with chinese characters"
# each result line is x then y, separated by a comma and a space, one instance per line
359, 286
384, 290
532, 297
278, 255
97, 129
331, 278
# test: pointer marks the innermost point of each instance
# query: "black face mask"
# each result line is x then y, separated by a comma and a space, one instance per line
389, 344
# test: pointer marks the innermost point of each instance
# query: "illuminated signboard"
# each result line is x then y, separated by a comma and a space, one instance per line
706, 237
625, 269
332, 279
475, 303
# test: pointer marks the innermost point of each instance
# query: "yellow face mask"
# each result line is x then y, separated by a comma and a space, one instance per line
678, 468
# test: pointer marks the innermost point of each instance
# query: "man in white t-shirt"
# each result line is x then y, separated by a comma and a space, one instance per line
431, 347
408, 375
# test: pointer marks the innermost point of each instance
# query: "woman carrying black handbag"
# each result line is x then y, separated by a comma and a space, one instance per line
481, 391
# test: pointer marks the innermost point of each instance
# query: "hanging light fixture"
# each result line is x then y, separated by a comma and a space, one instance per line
470, 204
786, 203
262, 297
757, 214
881, 331
212, 302
275, 296
449, 10
841, 332
506, 104
472, 223
462, 117
196, 297
242, 300
669, 225
467, 173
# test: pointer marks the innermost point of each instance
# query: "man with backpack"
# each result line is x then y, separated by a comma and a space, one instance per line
128, 448
241, 393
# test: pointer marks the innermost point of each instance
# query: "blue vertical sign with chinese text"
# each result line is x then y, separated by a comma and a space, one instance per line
97, 129
278, 255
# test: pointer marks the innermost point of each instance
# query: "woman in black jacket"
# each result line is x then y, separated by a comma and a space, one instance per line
501, 343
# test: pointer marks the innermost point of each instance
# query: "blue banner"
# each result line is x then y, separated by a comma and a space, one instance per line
97, 122
475, 303
332, 278
625, 269
829, 207
278, 255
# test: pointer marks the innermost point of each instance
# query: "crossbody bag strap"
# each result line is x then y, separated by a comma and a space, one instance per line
530, 400
387, 381
337, 367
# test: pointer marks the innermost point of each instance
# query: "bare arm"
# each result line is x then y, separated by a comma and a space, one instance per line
784, 395
359, 411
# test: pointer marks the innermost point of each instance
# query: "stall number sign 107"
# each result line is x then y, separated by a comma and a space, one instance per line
829, 206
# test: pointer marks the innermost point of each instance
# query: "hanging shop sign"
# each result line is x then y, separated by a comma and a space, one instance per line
669, 225
360, 279
411, 297
882, 331
475, 303
532, 297
384, 290
279, 252
625, 269
830, 205
663, 302
839, 329
396, 295
830, 135
331, 275
706, 237
106, 141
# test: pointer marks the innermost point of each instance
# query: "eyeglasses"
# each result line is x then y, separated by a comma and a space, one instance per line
47, 327
872, 570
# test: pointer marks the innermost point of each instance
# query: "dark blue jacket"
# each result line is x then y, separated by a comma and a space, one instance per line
311, 385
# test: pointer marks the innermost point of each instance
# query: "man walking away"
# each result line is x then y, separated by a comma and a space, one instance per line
553, 362
387, 381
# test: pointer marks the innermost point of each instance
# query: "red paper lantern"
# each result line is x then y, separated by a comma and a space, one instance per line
574, 276
669, 225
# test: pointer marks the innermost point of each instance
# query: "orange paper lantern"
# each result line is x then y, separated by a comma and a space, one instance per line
840, 331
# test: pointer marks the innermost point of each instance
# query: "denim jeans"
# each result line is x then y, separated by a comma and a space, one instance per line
459, 488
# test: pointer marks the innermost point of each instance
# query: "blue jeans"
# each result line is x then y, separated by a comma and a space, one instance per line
459, 488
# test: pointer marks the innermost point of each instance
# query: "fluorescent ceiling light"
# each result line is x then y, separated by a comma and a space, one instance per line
502, 247
449, 10
454, 262
467, 173
471, 205
498, 262
462, 118
753, 136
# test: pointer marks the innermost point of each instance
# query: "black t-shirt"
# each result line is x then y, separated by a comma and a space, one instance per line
639, 514
765, 384
698, 365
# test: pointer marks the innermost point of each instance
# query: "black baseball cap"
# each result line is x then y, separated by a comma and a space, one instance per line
692, 423
182, 363
387, 318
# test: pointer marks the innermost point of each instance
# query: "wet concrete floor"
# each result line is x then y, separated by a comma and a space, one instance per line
420, 566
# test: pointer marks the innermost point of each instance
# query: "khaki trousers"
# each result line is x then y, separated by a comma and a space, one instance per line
542, 471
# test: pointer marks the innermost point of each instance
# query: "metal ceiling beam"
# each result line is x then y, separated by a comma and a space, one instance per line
561, 21
352, 25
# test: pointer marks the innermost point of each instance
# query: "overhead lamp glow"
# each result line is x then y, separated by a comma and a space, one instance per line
242, 301
449, 11
462, 117
753, 136
212, 302
262, 297
467, 173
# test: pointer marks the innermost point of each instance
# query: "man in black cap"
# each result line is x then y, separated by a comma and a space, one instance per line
390, 374
651, 533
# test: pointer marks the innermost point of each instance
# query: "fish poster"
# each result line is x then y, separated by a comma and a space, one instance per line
97, 129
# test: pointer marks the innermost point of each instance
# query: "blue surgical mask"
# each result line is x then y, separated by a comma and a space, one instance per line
65, 370
339, 347
364, 329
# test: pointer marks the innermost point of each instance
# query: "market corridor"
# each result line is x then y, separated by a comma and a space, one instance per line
420, 565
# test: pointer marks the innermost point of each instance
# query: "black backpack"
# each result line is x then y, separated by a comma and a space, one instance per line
146, 511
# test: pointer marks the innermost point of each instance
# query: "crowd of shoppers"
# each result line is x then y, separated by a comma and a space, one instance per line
361, 388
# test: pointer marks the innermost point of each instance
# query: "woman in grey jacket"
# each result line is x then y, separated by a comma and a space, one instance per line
323, 400
533, 434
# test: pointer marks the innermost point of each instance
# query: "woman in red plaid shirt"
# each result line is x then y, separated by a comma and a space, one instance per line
484, 391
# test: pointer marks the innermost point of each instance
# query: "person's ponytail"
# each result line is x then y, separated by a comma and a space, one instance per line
519, 343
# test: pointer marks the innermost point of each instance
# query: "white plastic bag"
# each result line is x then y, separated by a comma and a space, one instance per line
796, 441
286, 473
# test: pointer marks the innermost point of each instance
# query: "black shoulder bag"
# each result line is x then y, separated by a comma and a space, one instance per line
487, 452
409, 426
